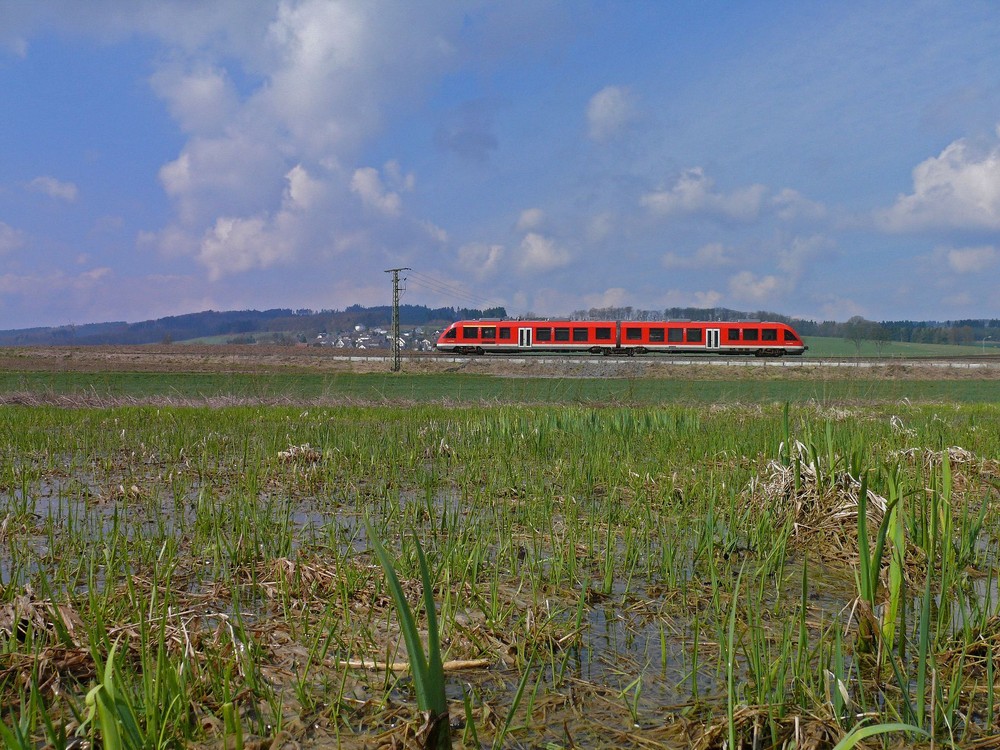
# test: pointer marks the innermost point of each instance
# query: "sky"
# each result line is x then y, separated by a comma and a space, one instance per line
814, 159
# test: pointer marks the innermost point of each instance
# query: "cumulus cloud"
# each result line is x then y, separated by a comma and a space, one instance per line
800, 252
10, 238
600, 227
374, 193
972, 259
237, 244
748, 287
201, 100
231, 174
530, 219
693, 193
790, 205
835, 307
54, 188
48, 285
609, 112
708, 298
480, 259
539, 253
433, 231
260, 89
712, 255
959, 188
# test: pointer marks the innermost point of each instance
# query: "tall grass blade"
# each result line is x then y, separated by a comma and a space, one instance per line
428, 674
861, 733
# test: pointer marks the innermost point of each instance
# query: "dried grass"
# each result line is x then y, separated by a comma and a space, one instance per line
823, 510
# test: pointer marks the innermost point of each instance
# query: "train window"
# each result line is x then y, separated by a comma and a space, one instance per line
451, 333
732, 334
656, 334
603, 334
750, 334
789, 336
543, 334
581, 334
694, 335
470, 332
562, 334
675, 334
633, 334
769, 334
490, 332
505, 332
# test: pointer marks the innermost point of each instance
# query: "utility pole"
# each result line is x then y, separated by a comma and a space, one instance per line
395, 315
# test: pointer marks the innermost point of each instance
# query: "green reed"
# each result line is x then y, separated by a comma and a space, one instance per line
563, 539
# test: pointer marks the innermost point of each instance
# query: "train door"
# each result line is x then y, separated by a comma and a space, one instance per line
712, 338
524, 338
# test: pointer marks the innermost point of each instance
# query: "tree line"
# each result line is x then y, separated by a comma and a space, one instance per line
857, 329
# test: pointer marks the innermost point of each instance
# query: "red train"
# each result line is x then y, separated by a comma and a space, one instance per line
625, 337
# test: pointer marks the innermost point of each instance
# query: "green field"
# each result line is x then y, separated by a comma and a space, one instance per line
823, 346
463, 388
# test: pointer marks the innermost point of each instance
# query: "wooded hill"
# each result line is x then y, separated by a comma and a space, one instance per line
282, 325
286, 325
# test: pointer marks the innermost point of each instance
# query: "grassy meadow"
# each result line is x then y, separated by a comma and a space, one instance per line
452, 560
829, 346
713, 386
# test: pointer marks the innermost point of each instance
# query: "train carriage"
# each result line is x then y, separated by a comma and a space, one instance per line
628, 338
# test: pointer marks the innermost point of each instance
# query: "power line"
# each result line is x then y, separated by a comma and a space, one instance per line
440, 286
395, 316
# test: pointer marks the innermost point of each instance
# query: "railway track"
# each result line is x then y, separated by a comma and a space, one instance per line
978, 362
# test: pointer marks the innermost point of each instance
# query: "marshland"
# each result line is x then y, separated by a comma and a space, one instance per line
791, 569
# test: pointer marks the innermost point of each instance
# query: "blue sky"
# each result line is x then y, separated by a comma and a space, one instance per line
814, 159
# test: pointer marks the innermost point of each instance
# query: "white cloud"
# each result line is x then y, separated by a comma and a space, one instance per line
480, 259
435, 232
171, 242
609, 112
972, 259
10, 238
790, 205
303, 190
238, 244
226, 175
49, 285
374, 194
395, 177
693, 193
202, 100
600, 227
54, 188
614, 297
539, 253
746, 286
712, 255
959, 188
709, 298
800, 253
531, 219
835, 307
234, 245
